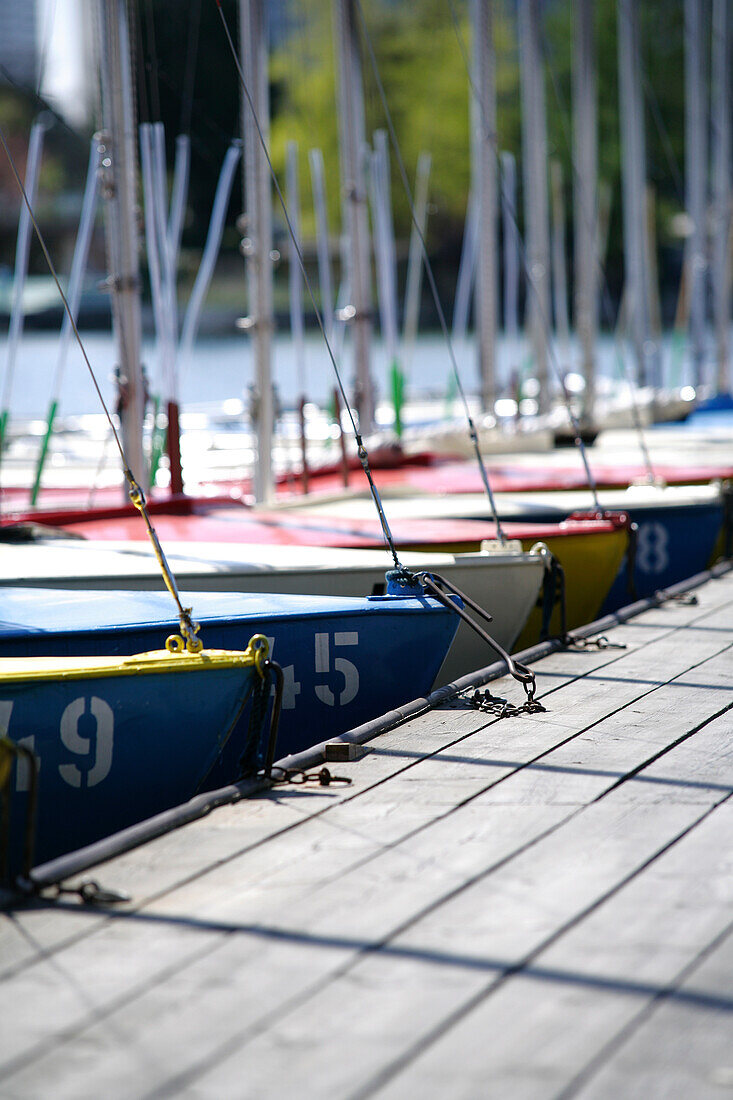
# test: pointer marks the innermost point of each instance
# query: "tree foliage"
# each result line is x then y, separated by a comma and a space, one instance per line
422, 48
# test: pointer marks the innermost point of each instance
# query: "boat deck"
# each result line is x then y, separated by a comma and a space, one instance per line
528, 906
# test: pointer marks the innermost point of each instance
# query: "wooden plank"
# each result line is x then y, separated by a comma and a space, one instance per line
394, 994
537, 1033
320, 1017
335, 941
148, 872
683, 1044
16, 947
318, 848
166, 854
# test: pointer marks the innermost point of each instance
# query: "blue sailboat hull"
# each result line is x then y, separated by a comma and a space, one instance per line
114, 750
345, 660
672, 543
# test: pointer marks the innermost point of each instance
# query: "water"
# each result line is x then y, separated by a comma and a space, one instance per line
222, 370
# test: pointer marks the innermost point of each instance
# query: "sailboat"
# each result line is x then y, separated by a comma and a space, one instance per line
97, 741
678, 526
343, 661
505, 579
313, 547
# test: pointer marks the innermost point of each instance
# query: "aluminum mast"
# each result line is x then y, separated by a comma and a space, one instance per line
257, 245
696, 117
585, 187
484, 186
120, 191
354, 200
721, 189
633, 179
534, 168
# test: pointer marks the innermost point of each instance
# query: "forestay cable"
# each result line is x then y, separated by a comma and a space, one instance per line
362, 451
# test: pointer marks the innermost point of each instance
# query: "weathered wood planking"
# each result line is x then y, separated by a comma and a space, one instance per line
168, 857
541, 884
541, 1030
166, 862
354, 941
682, 1044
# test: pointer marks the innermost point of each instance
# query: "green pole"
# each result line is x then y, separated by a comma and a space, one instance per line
157, 443
52, 410
678, 351
332, 416
450, 396
397, 382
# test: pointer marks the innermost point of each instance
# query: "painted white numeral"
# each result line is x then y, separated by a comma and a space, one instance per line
6, 709
347, 669
22, 771
651, 547
71, 738
291, 686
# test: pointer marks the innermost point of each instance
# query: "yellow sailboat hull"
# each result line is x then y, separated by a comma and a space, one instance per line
590, 562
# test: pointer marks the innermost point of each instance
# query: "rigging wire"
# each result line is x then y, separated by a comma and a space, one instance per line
431, 277
189, 628
362, 451
544, 320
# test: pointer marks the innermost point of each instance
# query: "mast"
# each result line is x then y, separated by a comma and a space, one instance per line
511, 246
354, 198
413, 284
386, 265
559, 269
484, 186
120, 137
318, 186
534, 168
695, 177
721, 189
585, 186
633, 178
257, 245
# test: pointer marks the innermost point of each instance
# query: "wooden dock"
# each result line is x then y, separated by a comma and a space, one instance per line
528, 906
